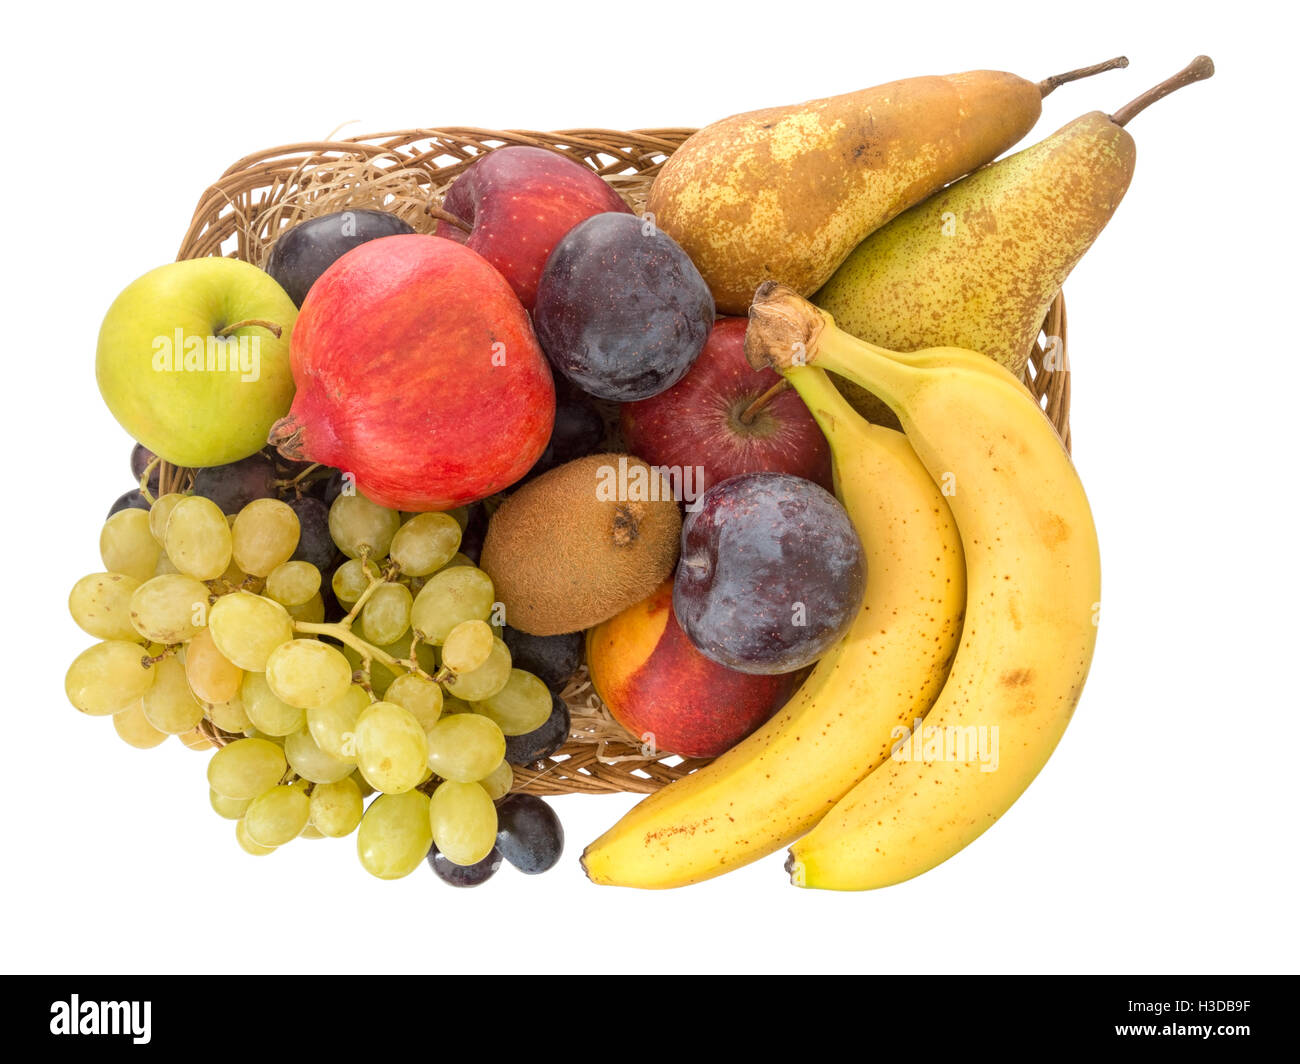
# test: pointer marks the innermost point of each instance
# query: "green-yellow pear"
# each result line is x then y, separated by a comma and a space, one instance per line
788, 192
978, 264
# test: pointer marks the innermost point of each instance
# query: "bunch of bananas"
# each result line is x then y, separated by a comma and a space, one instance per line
960, 674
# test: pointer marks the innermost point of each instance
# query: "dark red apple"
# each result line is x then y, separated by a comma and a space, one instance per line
669, 695
700, 426
418, 372
519, 202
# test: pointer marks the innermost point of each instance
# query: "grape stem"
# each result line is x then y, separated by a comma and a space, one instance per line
344, 634
144, 481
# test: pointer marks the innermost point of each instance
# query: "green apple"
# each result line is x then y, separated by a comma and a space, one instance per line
193, 360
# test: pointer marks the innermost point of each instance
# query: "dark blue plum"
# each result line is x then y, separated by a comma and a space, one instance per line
540, 742
771, 575
621, 310
307, 250
529, 834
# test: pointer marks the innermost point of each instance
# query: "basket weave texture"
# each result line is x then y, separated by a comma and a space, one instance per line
406, 172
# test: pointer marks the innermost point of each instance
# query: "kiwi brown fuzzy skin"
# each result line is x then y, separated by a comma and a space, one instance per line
562, 559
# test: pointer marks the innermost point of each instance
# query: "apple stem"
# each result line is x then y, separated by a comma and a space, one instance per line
449, 218
269, 326
750, 412
1048, 85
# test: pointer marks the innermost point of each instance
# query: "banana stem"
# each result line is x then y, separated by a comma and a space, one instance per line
786, 331
1049, 85
1198, 69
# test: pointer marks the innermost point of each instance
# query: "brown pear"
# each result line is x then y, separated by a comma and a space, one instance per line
978, 264
789, 192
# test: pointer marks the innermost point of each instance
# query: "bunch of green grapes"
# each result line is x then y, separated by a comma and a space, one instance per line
211, 630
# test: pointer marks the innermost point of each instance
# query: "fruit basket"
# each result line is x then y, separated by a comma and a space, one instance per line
405, 173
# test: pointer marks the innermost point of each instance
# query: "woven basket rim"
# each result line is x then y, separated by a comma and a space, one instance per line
248, 200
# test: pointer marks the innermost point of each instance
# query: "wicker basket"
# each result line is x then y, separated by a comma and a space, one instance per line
406, 172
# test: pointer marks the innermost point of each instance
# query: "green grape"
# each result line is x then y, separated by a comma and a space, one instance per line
310, 831
247, 844
461, 516
127, 546
266, 710
229, 808
386, 614
356, 522
197, 538
277, 816
457, 561
463, 822
391, 749
462, 593
394, 835
248, 627
264, 535
351, 579
229, 716
164, 566
134, 729
521, 706
307, 672
160, 513
363, 786
334, 724
234, 575
487, 679
311, 762
212, 676
169, 704
195, 739
312, 611
293, 583
499, 781
425, 543
170, 608
451, 704
246, 768
108, 677
336, 808
465, 747
101, 605
420, 696
468, 646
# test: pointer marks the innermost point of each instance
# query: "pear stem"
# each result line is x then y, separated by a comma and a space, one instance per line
750, 412
269, 326
1198, 69
1049, 85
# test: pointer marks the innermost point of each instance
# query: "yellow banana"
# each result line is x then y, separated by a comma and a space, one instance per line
889, 668
1033, 586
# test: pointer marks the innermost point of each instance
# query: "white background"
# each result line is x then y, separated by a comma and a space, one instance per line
1162, 836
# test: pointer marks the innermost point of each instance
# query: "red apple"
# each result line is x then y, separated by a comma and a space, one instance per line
418, 372
668, 694
519, 202
698, 426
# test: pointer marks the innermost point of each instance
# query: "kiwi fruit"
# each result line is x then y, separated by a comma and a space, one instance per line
581, 543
